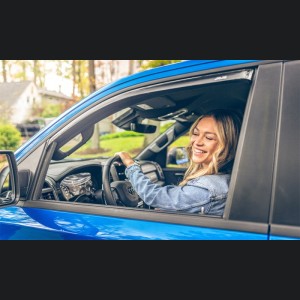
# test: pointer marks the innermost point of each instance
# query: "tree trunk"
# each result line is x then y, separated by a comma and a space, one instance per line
4, 75
35, 71
131, 67
92, 83
74, 78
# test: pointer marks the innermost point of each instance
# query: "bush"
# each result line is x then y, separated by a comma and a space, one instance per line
10, 137
164, 127
110, 136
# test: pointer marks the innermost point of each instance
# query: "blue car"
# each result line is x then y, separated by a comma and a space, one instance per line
64, 183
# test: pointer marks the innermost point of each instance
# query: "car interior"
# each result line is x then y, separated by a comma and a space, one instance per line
102, 180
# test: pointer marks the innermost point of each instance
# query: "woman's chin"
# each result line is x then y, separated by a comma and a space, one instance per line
197, 160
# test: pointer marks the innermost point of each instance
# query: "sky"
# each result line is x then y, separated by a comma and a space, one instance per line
53, 82
63, 85
58, 84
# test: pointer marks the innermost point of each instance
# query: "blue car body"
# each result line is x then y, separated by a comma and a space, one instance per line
29, 219
32, 223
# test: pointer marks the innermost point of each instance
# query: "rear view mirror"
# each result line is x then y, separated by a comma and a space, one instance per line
142, 128
9, 180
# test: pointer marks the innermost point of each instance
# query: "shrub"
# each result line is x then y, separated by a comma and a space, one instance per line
10, 137
164, 127
119, 134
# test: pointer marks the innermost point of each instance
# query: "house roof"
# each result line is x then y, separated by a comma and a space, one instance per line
54, 94
11, 91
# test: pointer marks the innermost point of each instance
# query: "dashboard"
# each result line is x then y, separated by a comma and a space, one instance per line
81, 181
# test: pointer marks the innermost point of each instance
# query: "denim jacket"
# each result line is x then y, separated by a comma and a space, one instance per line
205, 195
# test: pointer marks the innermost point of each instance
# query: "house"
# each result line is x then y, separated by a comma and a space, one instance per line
17, 100
54, 97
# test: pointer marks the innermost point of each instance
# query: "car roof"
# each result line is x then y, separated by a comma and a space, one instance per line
175, 69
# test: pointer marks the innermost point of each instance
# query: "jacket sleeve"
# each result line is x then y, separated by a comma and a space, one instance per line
188, 198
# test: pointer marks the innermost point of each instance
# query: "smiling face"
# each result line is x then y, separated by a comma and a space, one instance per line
204, 141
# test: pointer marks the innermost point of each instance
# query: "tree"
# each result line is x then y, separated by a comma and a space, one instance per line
73, 78
149, 64
131, 67
50, 110
4, 75
38, 73
92, 83
22, 70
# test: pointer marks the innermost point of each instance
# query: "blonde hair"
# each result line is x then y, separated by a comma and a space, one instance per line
228, 130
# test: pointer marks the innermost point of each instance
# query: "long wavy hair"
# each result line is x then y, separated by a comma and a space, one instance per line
228, 130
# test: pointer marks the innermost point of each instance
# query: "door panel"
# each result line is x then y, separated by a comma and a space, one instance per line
173, 175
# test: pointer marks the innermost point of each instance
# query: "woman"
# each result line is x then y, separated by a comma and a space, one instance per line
212, 147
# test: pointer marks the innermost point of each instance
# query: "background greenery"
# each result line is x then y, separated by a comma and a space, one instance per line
86, 78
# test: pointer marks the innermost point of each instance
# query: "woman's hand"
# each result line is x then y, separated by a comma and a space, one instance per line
126, 158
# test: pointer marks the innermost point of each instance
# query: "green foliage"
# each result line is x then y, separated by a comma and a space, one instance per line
181, 142
10, 137
121, 134
164, 127
109, 147
51, 110
133, 145
149, 64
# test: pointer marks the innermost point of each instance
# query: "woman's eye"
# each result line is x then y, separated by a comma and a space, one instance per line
209, 138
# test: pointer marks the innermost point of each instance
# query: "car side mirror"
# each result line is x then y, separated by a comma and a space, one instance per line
177, 156
9, 179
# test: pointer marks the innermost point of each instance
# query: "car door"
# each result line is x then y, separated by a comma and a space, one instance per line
285, 209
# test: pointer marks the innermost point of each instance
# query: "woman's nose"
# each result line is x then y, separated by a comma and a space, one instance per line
199, 140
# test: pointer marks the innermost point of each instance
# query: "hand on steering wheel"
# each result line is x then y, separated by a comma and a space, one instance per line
117, 191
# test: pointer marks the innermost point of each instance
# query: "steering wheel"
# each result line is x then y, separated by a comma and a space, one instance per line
117, 192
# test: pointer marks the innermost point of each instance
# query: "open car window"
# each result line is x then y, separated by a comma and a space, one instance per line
112, 139
148, 118
150, 123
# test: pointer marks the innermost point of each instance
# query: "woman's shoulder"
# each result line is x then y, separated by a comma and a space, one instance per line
212, 178
217, 183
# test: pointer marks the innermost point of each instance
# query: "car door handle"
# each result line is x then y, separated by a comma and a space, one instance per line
178, 174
